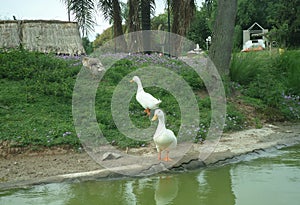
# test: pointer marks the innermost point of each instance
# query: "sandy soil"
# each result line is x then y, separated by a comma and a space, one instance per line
49, 162
22, 165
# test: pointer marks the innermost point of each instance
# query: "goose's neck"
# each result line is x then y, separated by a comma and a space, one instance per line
140, 86
161, 127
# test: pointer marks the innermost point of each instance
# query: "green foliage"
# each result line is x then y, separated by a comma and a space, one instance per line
35, 102
36, 110
267, 88
246, 66
83, 11
160, 22
235, 120
289, 66
43, 73
257, 103
199, 29
87, 45
104, 37
271, 79
238, 38
42, 121
280, 17
170, 106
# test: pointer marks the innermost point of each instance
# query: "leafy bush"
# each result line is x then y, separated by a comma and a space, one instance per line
289, 67
246, 66
235, 120
271, 78
266, 88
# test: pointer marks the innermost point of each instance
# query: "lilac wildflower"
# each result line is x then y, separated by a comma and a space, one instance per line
67, 133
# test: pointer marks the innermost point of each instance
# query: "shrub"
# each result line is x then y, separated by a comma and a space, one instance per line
289, 65
246, 66
266, 88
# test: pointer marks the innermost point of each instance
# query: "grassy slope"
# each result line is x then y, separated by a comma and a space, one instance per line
34, 119
36, 92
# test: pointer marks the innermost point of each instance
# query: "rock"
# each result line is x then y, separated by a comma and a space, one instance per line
110, 156
272, 126
194, 164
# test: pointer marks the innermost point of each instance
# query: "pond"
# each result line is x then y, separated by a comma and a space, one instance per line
272, 179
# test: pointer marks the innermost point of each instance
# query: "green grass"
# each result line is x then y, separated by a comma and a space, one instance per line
36, 99
34, 119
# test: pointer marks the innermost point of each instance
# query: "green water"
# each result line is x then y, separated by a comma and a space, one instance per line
273, 179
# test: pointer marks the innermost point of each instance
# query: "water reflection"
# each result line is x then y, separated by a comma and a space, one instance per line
51, 194
215, 187
102, 192
212, 186
271, 180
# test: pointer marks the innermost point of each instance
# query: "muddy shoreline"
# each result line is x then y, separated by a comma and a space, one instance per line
60, 165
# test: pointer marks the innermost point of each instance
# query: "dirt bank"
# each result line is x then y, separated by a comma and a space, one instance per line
56, 165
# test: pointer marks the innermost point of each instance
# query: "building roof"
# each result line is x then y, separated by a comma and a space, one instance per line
61, 37
253, 25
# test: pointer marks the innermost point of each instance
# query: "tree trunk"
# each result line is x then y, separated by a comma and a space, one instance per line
222, 35
134, 25
134, 20
146, 24
183, 12
118, 29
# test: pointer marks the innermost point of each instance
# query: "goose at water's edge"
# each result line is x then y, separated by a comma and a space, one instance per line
164, 138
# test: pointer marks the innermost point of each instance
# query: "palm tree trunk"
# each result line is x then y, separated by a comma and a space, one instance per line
134, 20
146, 25
183, 12
134, 25
118, 28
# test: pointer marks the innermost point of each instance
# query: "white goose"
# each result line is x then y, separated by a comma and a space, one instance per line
147, 101
164, 138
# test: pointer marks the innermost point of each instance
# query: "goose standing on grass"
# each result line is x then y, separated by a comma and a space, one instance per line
164, 138
147, 101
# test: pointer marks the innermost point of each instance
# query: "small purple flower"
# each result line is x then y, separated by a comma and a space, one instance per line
67, 133
287, 97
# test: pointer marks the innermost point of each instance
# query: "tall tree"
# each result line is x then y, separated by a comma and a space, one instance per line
135, 41
285, 19
112, 11
84, 14
146, 14
146, 23
199, 29
134, 15
183, 12
222, 35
